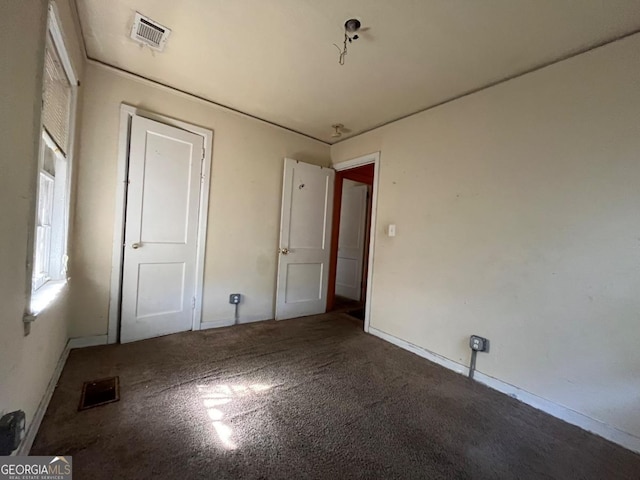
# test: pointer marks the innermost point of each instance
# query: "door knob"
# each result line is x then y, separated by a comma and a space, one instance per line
284, 251
135, 246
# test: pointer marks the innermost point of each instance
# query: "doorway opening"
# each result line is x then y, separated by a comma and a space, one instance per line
350, 241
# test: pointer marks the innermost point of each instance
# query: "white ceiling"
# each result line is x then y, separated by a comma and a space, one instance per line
275, 59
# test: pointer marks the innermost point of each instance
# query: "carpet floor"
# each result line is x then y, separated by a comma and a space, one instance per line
306, 398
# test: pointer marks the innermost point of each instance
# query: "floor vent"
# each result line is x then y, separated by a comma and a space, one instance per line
149, 33
99, 392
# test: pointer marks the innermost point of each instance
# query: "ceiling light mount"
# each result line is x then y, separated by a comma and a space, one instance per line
338, 130
351, 27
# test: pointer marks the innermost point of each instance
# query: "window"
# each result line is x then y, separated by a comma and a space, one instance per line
49, 266
49, 262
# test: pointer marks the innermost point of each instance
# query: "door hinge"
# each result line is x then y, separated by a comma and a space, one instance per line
193, 303
202, 167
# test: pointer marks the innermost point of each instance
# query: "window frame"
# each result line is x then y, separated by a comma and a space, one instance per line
43, 291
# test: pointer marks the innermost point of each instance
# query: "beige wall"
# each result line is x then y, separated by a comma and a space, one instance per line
26, 362
518, 218
244, 207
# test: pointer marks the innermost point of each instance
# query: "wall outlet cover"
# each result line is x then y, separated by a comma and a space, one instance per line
478, 343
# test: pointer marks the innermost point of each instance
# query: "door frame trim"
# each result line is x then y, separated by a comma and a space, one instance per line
127, 112
358, 162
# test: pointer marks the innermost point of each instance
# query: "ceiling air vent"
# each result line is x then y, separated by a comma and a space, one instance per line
150, 33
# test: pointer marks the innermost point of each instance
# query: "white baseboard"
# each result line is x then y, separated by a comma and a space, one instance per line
624, 439
34, 425
215, 324
227, 322
92, 341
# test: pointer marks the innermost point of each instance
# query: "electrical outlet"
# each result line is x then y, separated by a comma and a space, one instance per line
234, 298
479, 344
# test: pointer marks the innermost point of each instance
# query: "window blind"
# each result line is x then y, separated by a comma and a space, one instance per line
56, 108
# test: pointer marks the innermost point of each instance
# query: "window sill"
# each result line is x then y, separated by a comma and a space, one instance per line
42, 298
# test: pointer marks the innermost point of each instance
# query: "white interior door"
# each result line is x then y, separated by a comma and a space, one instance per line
353, 222
305, 240
159, 269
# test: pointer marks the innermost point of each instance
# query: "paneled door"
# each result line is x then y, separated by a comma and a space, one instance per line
353, 224
305, 233
161, 232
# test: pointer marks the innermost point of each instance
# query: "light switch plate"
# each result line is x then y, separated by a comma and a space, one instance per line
392, 230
